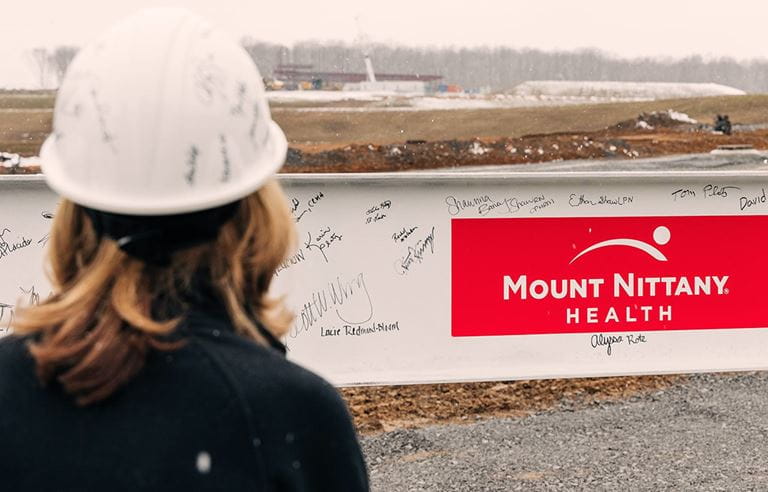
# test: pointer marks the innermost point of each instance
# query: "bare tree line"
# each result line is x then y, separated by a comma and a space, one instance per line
500, 68
46, 63
493, 68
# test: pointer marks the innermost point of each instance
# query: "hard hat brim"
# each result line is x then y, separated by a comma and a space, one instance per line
58, 180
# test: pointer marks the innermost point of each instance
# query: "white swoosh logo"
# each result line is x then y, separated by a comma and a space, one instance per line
632, 243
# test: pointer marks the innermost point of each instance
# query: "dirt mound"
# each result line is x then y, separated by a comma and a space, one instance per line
657, 119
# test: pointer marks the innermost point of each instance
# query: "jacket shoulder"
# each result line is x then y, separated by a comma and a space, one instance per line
18, 382
14, 354
295, 414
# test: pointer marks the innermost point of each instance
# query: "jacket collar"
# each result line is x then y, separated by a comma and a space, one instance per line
214, 316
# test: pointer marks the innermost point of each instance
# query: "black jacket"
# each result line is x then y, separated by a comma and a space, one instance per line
221, 413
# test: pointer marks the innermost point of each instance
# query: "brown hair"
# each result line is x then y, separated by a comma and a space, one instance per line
93, 334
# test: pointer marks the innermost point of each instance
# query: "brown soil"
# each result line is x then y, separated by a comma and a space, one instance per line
613, 142
609, 143
20, 170
384, 408
380, 128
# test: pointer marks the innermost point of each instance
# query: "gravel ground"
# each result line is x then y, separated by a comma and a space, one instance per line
708, 433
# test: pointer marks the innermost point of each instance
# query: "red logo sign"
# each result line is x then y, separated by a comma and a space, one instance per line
589, 274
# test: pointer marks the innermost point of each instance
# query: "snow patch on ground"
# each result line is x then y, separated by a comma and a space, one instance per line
454, 103
383, 103
325, 96
478, 149
621, 90
682, 117
527, 94
8, 159
643, 125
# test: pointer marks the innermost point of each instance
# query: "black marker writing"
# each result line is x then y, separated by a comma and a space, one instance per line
403, 234
298, 211
714, 191
579, 200
224, 159
455, 205
322, 241
209, 81
237, 109
106, 136
6, 317
416, 253
7, 248
290, 261
348, 299
44, 240
682, 193
192, 155
747, 202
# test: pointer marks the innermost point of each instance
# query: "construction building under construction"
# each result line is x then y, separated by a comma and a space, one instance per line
297, 76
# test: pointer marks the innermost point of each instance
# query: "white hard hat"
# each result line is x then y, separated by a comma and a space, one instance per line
162, 115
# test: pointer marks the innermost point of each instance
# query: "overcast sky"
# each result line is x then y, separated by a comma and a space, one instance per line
675, 28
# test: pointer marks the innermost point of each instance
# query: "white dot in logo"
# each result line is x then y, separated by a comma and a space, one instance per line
662, 235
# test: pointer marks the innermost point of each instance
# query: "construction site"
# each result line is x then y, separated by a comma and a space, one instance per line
383, 135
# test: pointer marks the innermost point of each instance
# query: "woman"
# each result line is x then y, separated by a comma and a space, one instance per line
156, 363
